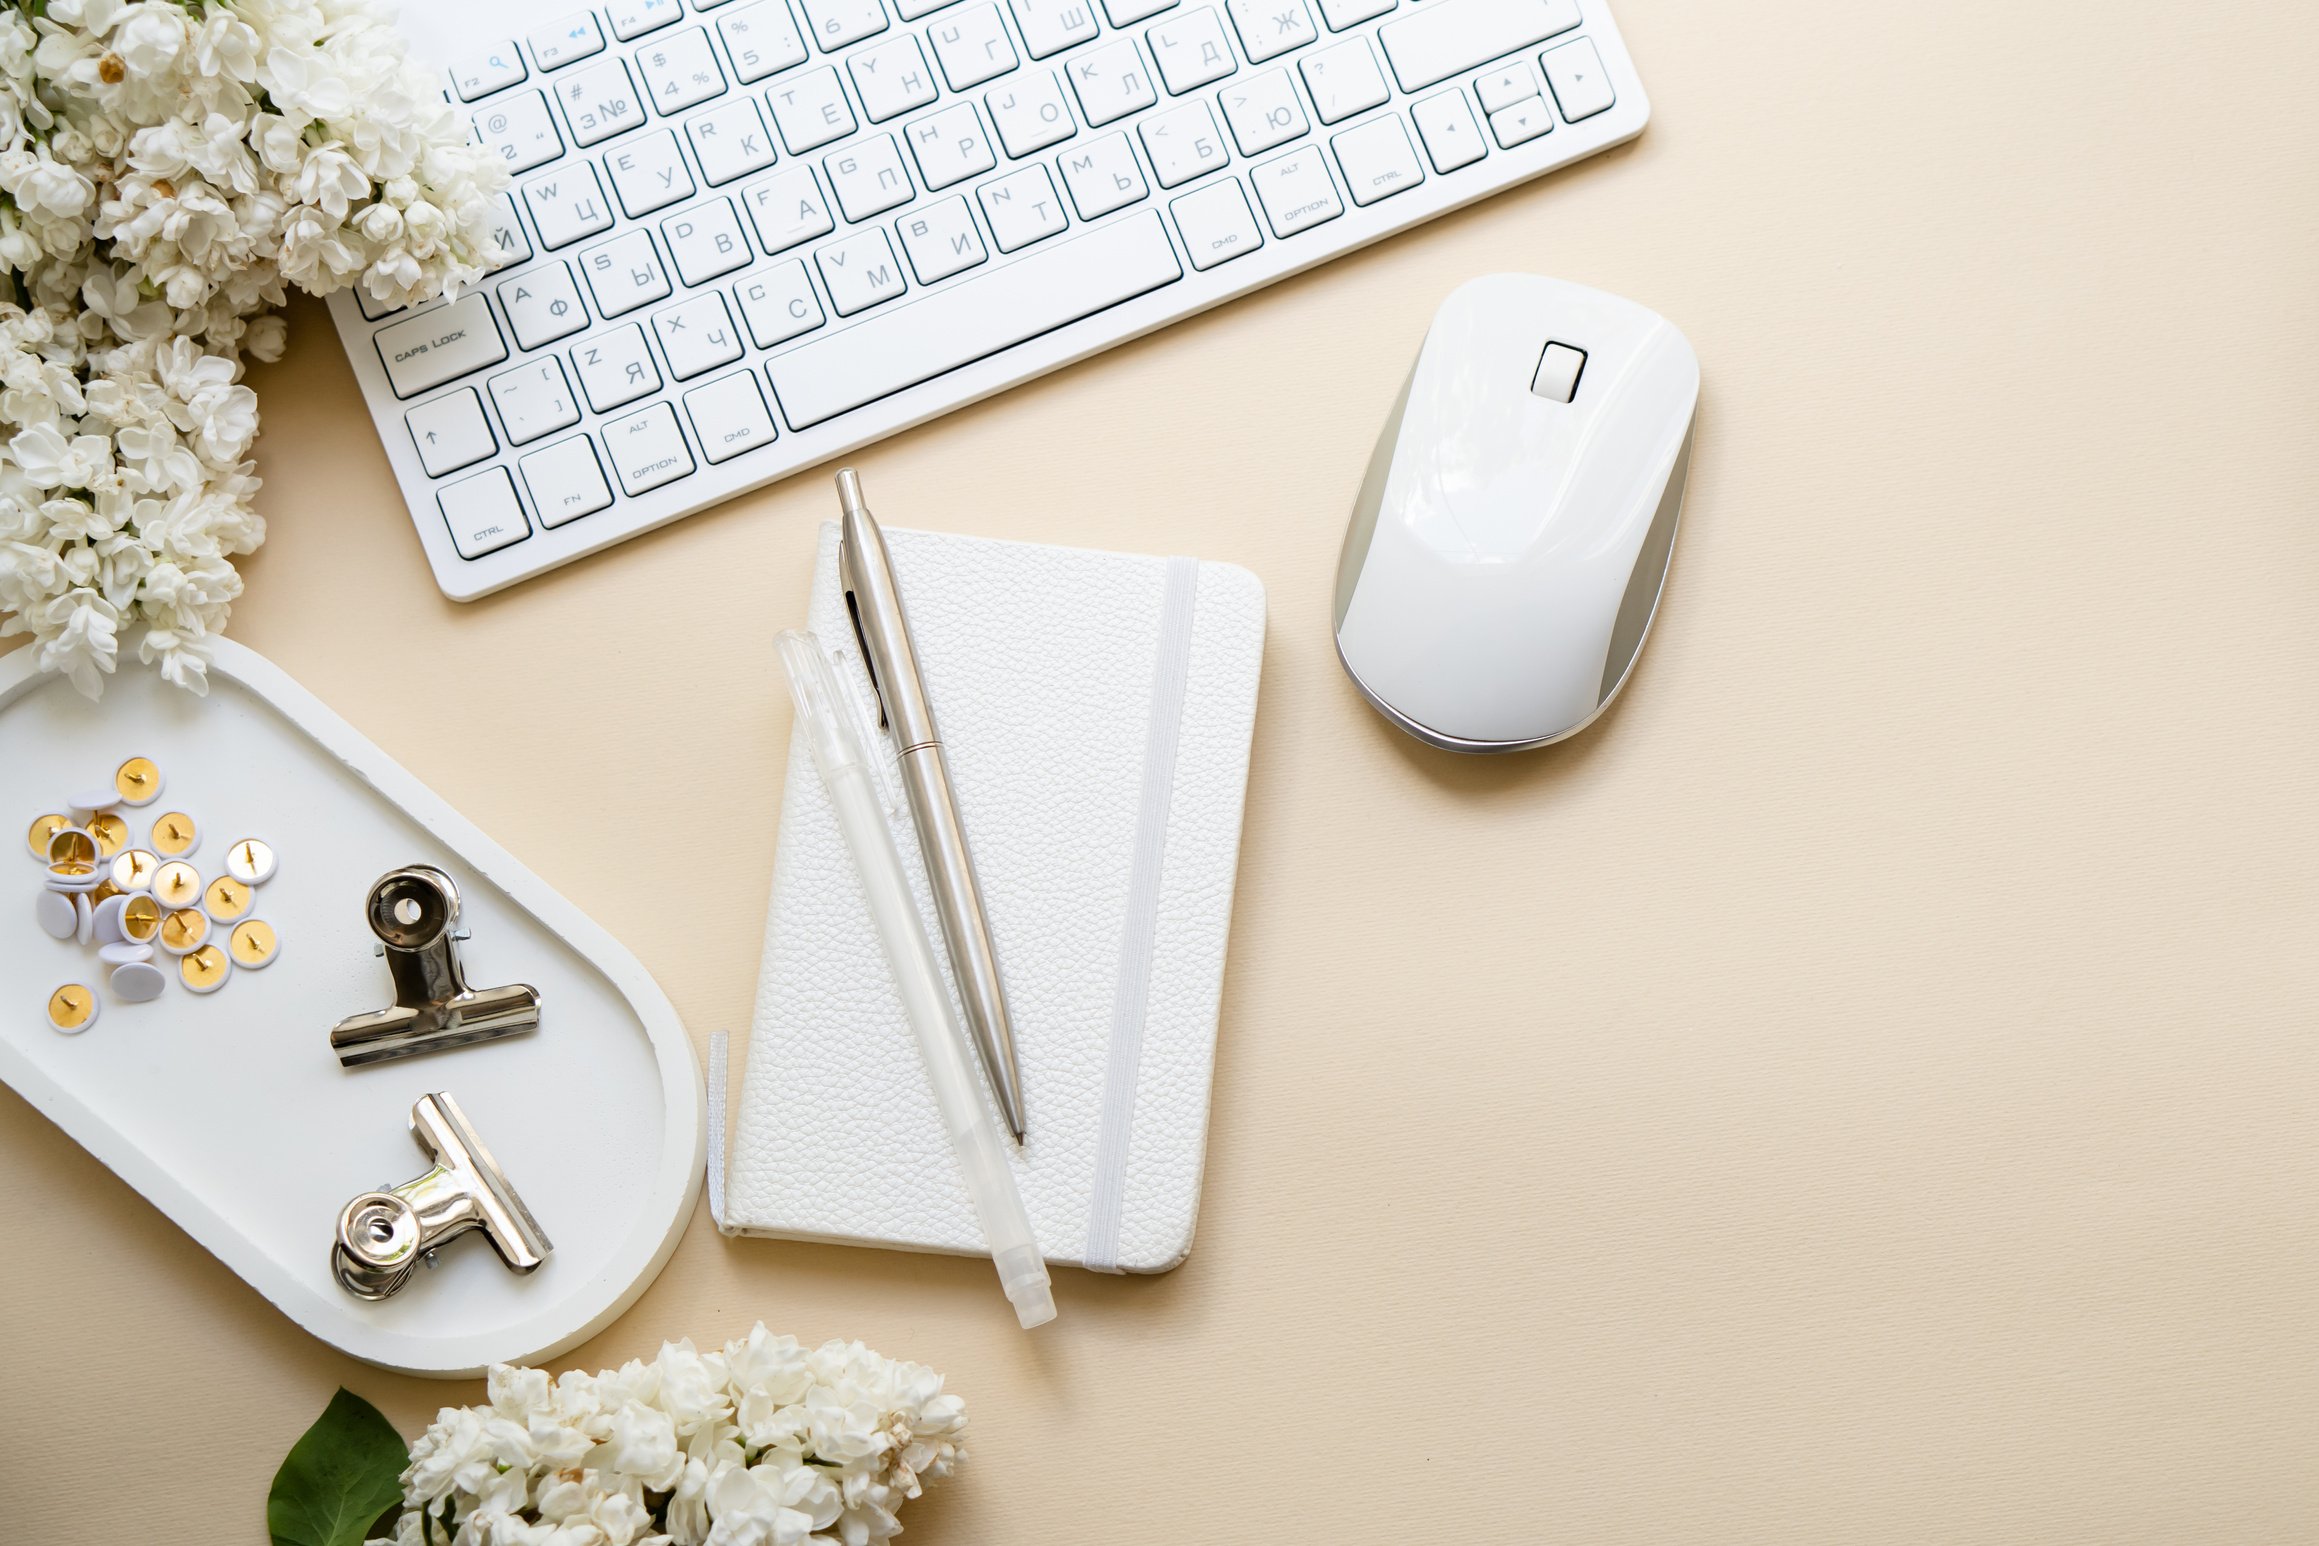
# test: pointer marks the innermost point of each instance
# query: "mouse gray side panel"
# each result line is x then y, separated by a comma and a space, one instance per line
1369, 501
1641, 602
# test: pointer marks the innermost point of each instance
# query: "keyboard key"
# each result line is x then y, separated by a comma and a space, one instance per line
440, 345
1030, 113
483, 513
1111, 82
940, 240
811, 111
974, 318
1344, 80
647, 449
1448, 37
1525, 120
729, 416
761, 39
1270, 28
615, 368
730, 142
567, 41
892, 78
1505, 87
1217, 224
1183, 143
787, 209
634, 18
778, 304
522, 130
492, 69
972, 47
911, 10
1262, 111
950, 146
599, 102
697, 336
860, 272
648, 173
1191, 50
450, 432
1124, 13
533, 400
1050, 26
624, 273
1447, 126
509, 246
1340, 14
1021, 208
1102, 176
543, 305
567, 204
706, 243
680, 72
1296, 192
1581, 85
566, 481
1377, 160
836, 23
868, 177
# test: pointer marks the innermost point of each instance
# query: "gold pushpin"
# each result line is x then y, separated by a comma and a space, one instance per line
204, 970
72, 1008
183, 932
253, 943
137, 781
250, 860
72, 845
111, 833
44, 828
226, 899
141, 919
133, 868
174, 835
105, 891
177, 884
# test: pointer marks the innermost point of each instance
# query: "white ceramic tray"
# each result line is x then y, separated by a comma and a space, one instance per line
230, 1111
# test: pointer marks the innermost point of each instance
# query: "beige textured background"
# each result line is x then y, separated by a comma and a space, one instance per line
1861, 1090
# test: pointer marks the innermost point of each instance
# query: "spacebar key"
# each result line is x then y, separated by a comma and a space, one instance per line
909, 344
1452, 36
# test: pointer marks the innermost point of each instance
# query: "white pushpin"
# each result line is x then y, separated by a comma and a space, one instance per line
138, 982
59, 917
127, 953
84, 921
107, 921
90, 801
250, 860
72, 1009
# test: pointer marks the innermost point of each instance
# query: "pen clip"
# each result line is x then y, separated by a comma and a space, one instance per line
853, 612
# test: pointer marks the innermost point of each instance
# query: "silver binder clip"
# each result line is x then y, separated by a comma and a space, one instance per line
384, 1235
415, 912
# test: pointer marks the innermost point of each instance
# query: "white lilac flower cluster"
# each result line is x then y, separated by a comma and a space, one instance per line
767, 1443
167, 169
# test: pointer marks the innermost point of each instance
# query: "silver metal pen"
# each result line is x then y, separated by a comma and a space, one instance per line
875, 602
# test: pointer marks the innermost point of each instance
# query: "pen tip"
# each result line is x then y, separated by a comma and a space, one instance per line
849, 492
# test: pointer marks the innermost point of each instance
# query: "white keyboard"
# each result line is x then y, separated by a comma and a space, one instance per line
746, 237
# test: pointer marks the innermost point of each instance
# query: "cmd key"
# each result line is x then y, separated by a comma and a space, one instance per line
1452, 36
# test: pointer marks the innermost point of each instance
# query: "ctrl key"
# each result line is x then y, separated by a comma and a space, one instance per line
483, 513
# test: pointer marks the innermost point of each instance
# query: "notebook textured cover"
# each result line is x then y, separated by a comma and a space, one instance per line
1096, 710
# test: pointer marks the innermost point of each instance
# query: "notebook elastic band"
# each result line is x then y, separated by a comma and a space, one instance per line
1131, 993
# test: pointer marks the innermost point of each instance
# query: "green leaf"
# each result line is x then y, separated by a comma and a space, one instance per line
338, 1478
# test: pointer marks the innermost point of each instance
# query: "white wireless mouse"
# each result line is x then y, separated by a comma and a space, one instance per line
1507, 550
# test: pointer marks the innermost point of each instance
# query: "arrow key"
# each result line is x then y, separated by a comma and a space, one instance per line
1525, 120
1581, 86
450, 432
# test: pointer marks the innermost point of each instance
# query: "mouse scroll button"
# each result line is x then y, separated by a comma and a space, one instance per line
1557, 376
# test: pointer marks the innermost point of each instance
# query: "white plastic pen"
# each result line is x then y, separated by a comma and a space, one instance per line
974, 1133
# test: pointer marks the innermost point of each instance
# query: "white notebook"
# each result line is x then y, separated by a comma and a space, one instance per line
1096, 710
